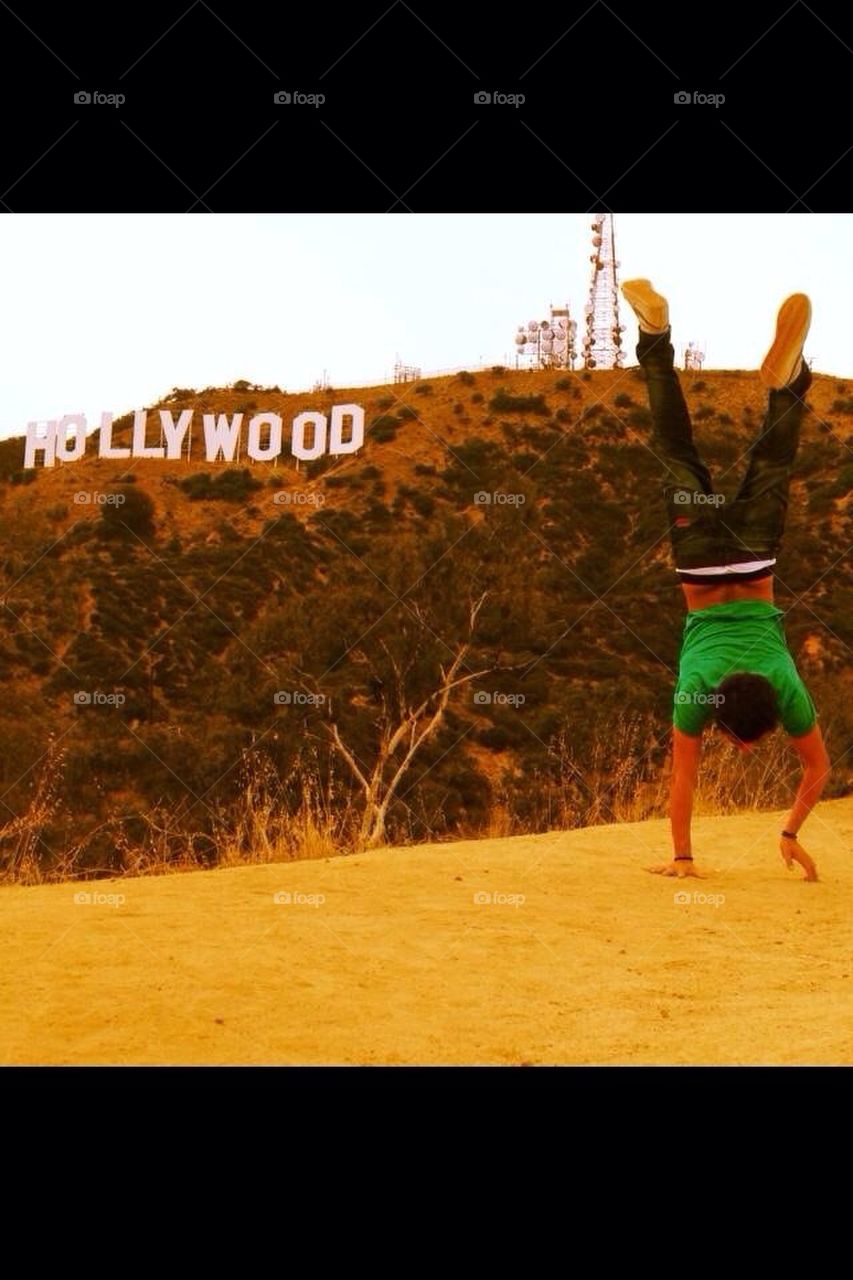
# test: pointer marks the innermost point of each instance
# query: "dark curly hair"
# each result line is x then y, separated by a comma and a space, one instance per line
746, 706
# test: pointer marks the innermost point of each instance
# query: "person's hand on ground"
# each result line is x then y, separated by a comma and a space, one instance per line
792, 851
681, 868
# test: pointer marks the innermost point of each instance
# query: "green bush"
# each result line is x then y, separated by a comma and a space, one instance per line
503, 402
134, 515
407, 414
233, 485
622, 400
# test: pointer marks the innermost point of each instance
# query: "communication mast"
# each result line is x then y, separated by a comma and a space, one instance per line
602, 345
547, 344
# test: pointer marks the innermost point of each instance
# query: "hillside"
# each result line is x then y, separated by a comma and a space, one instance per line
576, 956
205, 595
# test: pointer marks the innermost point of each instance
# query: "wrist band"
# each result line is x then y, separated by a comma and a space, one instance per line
790, 835
683, 857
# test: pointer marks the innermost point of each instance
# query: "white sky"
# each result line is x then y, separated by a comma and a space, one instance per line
110, 311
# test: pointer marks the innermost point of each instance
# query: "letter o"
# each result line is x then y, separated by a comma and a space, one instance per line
78, 421
254, 448
297, 443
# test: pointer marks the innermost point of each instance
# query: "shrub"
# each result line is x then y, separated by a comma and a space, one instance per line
423, 503
841, 406
704, 411
135, 515
407, 414
423, 469
466, 378
26, 476
622, 400
241, 385
563, 415
384, 429
233, 485
586, 375
423, 389
698, 386
563, 384
181, 393
370, 472
498, 369
725, 419
458, 409
503, 402
477, 397
385, 402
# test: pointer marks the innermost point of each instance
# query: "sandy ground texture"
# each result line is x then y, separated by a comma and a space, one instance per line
536, 949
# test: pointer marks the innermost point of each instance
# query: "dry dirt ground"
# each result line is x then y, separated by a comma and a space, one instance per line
545, 949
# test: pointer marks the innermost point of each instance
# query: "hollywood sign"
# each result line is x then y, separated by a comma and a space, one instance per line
312, 435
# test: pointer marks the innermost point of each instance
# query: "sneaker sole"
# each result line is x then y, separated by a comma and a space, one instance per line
792, 325
649, 307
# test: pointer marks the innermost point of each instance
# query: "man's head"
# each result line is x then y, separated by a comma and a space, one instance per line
746, 707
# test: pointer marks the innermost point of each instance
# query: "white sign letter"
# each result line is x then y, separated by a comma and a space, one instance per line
336, 442
35, 442
105, 440
297, 443
254, 448
220, 434
175, 432
140, 449
78, 421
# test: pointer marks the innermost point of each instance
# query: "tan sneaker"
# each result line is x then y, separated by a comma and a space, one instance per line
649, 307
784, 359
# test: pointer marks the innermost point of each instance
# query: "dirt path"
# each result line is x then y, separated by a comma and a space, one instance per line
578, 956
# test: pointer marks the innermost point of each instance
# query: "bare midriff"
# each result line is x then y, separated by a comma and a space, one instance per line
701, 597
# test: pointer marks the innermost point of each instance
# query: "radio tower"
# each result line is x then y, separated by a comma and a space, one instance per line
602, 346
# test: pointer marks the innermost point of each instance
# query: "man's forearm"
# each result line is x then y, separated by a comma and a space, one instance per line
809, 792
680, 811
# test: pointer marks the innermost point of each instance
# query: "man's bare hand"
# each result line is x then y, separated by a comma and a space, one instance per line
792, 851
683, 867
